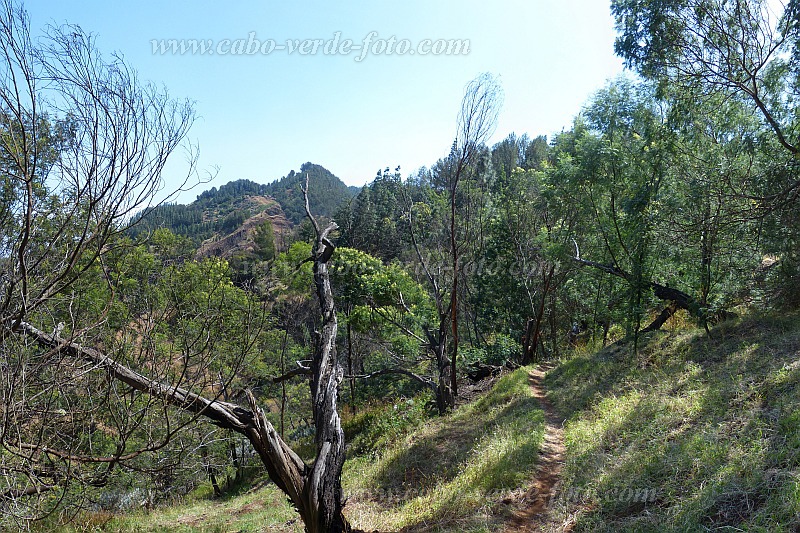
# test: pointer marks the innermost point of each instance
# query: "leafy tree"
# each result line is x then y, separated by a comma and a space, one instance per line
536, 153
388, 311
738, 50
373, 220
715, 245
264, 239
522, 267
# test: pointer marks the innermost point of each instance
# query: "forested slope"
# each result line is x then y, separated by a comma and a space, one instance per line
218, 212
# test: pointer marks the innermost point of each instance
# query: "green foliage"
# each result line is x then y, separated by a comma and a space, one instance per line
214, 212
375, 427
499, 348
373, 221
685, 48
363, 280
293, 270
265, 241
385, 312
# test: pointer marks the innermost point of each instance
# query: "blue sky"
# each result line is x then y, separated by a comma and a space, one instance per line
262, 115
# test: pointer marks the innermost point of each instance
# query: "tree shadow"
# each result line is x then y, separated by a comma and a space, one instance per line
575, 383
426, 473
440, 455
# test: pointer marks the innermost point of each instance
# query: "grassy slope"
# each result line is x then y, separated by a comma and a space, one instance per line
265, 509
693, 434
451, 474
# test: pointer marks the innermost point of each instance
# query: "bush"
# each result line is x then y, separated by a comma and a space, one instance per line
498, 349
377, 426
501, 348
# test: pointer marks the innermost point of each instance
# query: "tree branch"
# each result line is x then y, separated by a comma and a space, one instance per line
32, 490
308, 208
285, 468
662, 292
299, 371
387, 371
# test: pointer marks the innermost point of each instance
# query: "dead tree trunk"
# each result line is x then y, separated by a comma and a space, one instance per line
323, 487
445, 395
305, 486
437, 338
533, 329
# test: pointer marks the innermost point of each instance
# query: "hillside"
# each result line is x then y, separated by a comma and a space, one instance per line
691, 434
326, 194
242, 240
216, 213
641, 265
405, 470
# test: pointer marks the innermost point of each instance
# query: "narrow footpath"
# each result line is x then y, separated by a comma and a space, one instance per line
534, 506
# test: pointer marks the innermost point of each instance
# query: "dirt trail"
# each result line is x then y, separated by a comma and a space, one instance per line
533, 514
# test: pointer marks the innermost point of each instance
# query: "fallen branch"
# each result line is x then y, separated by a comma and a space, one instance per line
285, 468
661, 318
33, 490
402, 371
479, 371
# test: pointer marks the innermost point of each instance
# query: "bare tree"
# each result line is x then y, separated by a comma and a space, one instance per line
323, 489
477, 119
87, 389
82, 147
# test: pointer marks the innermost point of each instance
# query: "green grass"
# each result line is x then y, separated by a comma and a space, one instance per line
690, 434
264, 509
376, 426
454, 472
